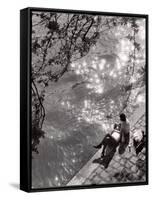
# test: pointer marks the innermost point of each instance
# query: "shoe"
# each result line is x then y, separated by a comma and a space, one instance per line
97, 147
105, 165
97, 161
102, 156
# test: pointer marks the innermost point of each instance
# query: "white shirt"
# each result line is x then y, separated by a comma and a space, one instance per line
137, 135
116, 135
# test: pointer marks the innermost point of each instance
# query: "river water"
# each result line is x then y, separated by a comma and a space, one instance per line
63, 153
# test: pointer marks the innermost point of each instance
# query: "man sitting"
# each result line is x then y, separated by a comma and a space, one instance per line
139, 140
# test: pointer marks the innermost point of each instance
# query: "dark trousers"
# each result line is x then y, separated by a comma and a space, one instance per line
123, 145
108, 140
109, 148
139, 145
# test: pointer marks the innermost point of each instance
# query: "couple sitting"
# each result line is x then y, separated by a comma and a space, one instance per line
118, 137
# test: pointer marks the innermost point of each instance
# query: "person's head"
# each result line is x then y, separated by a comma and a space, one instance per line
122, 117
116, 127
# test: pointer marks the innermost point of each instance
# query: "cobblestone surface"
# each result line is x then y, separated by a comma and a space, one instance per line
123, 168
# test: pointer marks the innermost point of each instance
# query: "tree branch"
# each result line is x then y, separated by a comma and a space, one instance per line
40, 102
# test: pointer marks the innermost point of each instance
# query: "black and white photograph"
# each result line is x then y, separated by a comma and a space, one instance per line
88, 99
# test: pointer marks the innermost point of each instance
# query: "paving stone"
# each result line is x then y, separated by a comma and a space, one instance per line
133, 159
97, 179
142, 157
92, 176
117, 158
133, 153
143, 178
120, 168
87, 182
128, 165
143, 151
114, 180
108, 179
112, 163
104, 174
137, 126
122, 161
99, 170
114, 170
142, 123
116, 165
128, 155
102, 182
109, 169
133, 168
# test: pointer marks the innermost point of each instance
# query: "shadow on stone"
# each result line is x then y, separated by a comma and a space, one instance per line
98, 161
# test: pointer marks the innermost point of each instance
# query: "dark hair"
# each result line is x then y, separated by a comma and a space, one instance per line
117, 126
122, 117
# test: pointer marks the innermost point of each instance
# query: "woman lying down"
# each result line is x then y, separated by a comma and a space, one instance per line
109, 145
